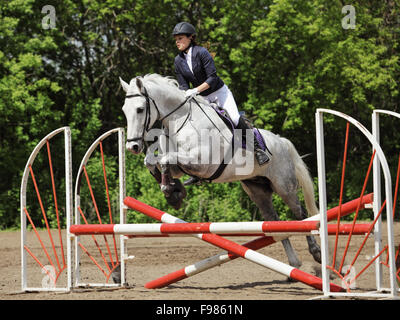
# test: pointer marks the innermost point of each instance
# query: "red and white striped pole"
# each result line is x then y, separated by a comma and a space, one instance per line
208, 263
285, 228
256, 244
235, 248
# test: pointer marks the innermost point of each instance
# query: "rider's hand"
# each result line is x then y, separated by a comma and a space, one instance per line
190, 93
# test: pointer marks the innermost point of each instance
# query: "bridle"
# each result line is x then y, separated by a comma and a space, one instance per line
148, 115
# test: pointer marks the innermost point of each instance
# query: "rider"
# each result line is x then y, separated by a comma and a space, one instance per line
195, 65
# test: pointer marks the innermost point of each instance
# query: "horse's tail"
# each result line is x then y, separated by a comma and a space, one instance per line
304, 178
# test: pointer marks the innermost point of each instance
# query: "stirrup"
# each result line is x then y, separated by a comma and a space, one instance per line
261, 156
191, 180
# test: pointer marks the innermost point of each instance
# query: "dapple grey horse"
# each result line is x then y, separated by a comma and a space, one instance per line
155, 98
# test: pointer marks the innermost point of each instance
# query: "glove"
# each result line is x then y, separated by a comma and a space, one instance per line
190, 93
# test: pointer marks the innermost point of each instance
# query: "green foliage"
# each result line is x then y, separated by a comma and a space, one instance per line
282, 59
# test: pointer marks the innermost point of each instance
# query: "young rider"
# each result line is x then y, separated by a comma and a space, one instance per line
195, 65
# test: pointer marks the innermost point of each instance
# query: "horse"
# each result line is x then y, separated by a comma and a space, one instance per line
154, 99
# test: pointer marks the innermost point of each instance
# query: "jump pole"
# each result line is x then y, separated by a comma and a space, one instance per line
284, 228
256, 244
235, 248
209, 263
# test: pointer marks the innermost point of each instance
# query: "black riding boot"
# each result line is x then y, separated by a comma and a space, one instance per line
261, 156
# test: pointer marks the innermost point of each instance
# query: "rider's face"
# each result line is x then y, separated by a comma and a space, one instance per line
182, 41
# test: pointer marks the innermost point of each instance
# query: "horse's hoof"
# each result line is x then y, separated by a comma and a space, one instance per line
116, 273
167, 190
288, 279
316, 253
296, 264
175, 200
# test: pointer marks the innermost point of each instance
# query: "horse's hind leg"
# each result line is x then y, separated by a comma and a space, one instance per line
291, 199
261, 194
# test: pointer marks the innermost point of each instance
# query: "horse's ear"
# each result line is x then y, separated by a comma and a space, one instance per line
124, 85
140, 85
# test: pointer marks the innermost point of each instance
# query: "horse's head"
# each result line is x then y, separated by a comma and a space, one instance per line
138, 112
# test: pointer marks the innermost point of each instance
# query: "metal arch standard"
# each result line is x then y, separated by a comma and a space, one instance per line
391, 113
89, 152
85, 159
33, 155
68, 199
322, 194
377, 192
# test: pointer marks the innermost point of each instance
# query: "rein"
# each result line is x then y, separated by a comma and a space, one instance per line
176, 109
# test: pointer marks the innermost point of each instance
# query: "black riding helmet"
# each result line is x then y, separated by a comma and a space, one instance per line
183, 28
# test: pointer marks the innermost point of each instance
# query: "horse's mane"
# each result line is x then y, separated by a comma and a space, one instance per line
159, 79
170, 82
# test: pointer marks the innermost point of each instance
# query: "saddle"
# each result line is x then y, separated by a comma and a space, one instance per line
229, 123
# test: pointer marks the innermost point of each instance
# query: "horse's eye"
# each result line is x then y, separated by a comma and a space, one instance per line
140, 110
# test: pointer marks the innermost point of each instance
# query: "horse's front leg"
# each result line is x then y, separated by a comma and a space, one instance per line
163, 176
166, 185
154, 171
160, 167
173, 189
164, 161
163, 172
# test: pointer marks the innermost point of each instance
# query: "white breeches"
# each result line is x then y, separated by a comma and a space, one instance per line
224, 98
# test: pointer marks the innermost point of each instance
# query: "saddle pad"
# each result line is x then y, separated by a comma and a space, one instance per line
257, 135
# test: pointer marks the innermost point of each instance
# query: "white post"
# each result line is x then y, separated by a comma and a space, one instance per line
122, 208
23, 237
68, 201
319, 122
377, 204
77, 220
